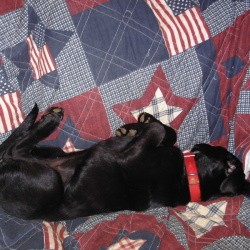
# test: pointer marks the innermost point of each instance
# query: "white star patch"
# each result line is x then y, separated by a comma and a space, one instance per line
203, 218
159, 109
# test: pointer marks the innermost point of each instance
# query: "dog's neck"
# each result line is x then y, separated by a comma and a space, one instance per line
192, 176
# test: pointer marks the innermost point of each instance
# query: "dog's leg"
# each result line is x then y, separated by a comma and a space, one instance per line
41, 129
150, 137
143, 119
141, 159
131, 129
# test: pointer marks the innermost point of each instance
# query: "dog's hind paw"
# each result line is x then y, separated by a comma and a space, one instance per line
125, 131
146, 118
55, 111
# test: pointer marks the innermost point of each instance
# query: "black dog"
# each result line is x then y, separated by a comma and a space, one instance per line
138, 169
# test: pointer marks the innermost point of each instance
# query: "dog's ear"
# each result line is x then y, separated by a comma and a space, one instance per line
234, 182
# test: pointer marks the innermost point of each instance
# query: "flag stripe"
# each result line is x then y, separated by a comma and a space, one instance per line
179, 32
42, 64
191, 18
187, 26
2, 130
34, 55
200, 24
48, 56
6, 115
11, 110
18, 112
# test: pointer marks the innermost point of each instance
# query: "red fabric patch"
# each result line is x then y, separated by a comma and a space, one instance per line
104, 233
10, 5
230, 43
88, 115
76, 7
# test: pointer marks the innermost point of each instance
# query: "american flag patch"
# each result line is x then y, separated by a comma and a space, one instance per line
54, 234
10, 113
41, 60
182, 31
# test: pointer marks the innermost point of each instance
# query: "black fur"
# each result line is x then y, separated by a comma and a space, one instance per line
139, 169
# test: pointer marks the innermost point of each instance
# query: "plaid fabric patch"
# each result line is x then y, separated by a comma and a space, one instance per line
159, 109
69, 147
127, 244
203, 218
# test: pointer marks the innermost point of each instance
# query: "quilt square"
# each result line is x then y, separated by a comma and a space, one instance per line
107, 30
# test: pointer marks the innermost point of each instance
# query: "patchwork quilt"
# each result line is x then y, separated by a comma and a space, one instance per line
106, 61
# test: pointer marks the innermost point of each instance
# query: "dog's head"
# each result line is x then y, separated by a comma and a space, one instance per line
221, 173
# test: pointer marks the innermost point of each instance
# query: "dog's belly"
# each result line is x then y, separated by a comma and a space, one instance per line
21, 195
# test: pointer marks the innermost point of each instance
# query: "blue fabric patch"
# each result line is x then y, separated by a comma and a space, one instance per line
12, 234
19, 54
210, 82
107, 30
178, 6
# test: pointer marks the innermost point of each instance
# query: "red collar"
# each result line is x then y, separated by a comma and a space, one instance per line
192, 176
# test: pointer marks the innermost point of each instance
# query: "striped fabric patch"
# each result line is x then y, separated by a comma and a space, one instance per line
182, 31
54, 234
41, 61
10, 113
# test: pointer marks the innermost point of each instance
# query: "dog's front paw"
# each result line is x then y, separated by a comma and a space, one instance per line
146, 118
125, 131
54, 111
